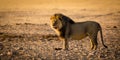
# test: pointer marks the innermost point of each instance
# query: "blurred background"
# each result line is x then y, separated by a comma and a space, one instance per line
30, 4
39, 11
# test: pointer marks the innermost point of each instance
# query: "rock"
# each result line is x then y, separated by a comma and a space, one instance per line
58, 48
102, 56
1, 46
9, 53
114, 26
21, 48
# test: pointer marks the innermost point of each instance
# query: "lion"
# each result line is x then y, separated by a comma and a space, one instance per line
67, 30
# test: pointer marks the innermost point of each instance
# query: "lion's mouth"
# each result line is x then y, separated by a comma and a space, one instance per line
54, 27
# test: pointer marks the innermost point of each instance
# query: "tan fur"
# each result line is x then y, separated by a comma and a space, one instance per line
67, 29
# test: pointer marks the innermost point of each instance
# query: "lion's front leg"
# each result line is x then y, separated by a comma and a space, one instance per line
65, 40
65, 44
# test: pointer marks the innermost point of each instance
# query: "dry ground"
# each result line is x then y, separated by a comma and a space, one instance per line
26, 35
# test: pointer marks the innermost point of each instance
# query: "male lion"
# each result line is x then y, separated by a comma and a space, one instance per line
67, 29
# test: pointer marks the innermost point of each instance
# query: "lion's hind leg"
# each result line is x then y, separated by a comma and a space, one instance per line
93, 40
95, 44
92, 45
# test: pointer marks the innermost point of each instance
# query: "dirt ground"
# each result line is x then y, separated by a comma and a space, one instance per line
22, 38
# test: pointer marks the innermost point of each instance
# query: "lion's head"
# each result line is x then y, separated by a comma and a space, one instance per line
59, 20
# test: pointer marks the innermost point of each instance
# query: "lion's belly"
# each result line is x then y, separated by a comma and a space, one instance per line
78, 32
78, 37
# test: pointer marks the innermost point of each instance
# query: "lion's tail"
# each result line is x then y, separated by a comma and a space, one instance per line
102, 38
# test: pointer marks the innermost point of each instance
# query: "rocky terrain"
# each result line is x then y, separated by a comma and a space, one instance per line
22, 38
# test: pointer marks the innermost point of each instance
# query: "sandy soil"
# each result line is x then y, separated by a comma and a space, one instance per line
22, 38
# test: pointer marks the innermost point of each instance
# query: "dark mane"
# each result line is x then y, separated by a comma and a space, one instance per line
65, 18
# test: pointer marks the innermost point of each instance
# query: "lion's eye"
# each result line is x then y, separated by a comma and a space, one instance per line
60, 19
